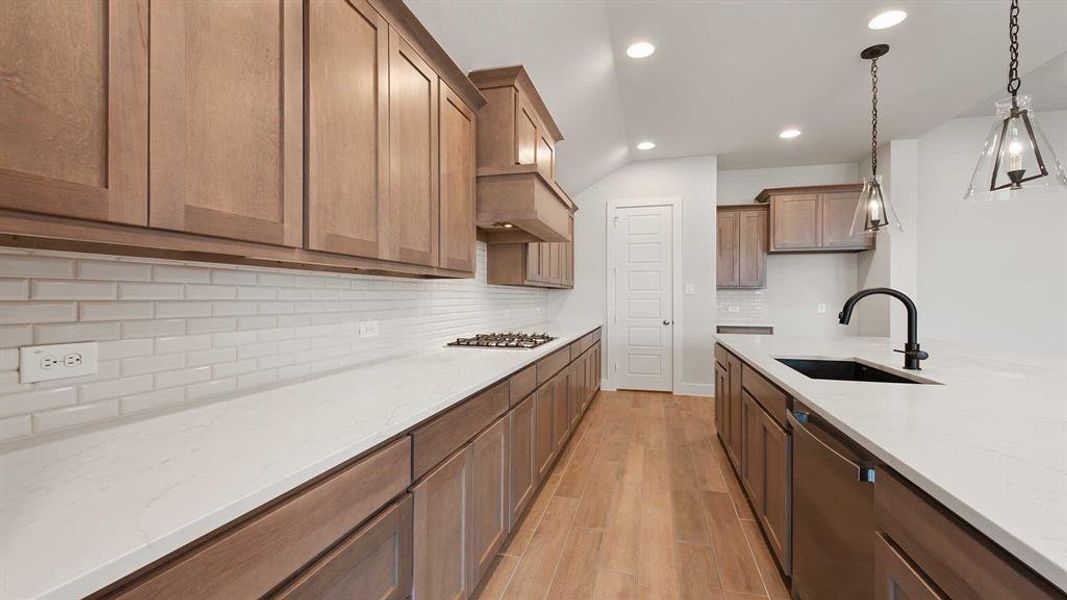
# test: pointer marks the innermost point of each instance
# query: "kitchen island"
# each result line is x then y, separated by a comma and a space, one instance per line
985, 435
83, 511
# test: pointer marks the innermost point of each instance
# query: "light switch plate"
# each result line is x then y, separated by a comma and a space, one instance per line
821, 308
690, 289
57, 361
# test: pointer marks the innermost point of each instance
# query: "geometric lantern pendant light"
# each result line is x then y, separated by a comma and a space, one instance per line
1016, 158
874, 211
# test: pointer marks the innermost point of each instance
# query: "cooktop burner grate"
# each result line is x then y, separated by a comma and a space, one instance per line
504, 340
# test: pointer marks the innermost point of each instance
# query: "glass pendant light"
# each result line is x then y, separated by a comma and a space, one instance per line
874, 212
1017, 157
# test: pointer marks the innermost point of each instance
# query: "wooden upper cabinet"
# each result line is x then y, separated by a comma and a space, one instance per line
74, 109
836, 212
413, 153
226, 83
795, 222
527, 135
814, 218
348, 129
752, 250
728, 242
457, 182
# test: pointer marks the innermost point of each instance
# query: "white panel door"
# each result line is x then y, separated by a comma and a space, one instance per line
642, 331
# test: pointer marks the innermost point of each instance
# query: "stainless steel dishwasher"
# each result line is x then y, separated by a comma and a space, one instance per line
833, 513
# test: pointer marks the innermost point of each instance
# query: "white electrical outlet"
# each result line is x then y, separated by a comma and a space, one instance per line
821, 308
690, 289
368, 329
733, 309
57, 361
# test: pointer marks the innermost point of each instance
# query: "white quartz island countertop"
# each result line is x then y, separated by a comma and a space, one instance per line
990, 443
81, 512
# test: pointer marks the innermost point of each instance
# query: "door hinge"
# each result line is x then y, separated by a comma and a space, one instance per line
615, 221
615, 366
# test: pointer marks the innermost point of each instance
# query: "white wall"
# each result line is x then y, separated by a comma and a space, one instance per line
694, 180
994, 274
796, 283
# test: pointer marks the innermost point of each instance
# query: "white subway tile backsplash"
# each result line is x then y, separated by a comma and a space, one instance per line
151, 364
182, 377
15, 427
115, 388
13, 336
75, 415
21, 403
115, 311
73, 290
113, 270
151, 400
37, 312
153, 328
150, 291
170, 332
178, 274
36, 266
14, 289
62, 333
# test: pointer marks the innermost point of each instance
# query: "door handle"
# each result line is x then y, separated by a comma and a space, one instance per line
666, 322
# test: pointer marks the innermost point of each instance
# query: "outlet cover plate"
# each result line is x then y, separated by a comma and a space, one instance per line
368, 329
57, 361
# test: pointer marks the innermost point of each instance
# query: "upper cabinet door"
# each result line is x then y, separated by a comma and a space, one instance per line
348, 128
413, 152
74, 109
525, 132
227, 119
729, 240
836, 212
752, 250
457, 182
795, 221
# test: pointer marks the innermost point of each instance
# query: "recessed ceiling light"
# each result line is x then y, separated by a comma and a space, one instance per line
640, 50
887, 19
788, 134
646, 146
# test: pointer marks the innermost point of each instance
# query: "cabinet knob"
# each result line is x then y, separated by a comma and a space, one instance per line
666, 322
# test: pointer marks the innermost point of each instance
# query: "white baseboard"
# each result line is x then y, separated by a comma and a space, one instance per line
604, 385
696, 389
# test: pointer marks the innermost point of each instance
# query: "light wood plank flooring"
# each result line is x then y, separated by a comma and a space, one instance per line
643, 505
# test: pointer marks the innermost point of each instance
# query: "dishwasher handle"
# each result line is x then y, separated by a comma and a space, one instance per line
800, 421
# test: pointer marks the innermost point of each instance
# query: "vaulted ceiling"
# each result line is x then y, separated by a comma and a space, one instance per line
727, 76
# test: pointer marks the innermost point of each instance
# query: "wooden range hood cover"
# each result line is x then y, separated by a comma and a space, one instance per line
524, 196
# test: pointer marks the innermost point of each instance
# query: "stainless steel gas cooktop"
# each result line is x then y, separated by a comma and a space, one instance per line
504, 340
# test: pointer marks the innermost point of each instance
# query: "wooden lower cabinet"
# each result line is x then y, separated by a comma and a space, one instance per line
752, 458
775, 511
373, 562
561, 421
442, 531
895, 578
733, 386
522, 472
489, 514
544, 436
722, 403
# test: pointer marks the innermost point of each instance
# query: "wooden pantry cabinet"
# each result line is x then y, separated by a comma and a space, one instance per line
184, 128
814, 219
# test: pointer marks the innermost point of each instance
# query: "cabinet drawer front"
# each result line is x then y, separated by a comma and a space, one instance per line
445, 434
551, 364
579, 347
252, 558
596, 335
522, 384
373, 562
720, 355
772, 399
958, 559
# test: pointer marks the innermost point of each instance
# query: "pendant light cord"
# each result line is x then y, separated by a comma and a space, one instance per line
874, 116
1013, 67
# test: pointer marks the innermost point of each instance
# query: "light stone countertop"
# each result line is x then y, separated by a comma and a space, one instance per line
990, 443
81, 512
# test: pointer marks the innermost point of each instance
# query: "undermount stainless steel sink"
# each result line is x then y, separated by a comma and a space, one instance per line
843, 370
